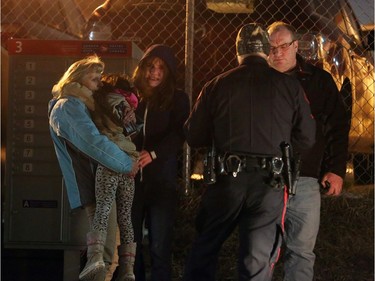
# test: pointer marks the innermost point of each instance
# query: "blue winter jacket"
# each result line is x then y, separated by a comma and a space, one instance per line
79, 147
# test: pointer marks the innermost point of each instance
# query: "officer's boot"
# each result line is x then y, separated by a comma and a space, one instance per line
95, 248
126, 253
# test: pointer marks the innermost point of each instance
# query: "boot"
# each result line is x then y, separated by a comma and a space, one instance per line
95, 248
101, 275
126, 253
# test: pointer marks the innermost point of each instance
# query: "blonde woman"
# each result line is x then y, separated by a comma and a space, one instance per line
80, 146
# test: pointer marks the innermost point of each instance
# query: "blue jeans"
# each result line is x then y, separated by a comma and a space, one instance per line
301, 230
155, 203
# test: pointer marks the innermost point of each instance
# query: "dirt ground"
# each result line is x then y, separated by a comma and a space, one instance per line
344, 248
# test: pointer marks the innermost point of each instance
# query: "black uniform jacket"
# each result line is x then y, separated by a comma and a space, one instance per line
251, 109
332, 122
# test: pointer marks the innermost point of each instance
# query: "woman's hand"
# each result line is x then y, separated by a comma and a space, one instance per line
134, 170
144, 158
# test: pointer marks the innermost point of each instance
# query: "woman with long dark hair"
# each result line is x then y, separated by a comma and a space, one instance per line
163, 109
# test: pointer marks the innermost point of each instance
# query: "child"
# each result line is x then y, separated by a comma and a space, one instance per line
114, 117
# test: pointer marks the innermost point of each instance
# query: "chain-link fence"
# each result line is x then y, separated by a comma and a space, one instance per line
203, 32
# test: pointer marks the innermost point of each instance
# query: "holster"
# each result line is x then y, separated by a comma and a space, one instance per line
209, 163
291, 168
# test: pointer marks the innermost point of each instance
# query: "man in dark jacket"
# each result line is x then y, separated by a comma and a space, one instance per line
246, 113
332, 128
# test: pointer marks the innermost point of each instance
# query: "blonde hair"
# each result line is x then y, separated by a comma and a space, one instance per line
77, 71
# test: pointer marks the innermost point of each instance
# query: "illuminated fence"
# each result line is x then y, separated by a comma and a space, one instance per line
202, 33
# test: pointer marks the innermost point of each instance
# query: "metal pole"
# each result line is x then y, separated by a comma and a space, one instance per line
189, 45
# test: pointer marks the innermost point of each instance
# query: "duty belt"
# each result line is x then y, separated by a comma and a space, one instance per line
235, 163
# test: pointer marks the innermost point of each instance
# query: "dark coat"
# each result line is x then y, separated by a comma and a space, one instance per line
332, 124
163, 128
163, 135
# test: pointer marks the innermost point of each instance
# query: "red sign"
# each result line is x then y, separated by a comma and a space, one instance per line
69, 48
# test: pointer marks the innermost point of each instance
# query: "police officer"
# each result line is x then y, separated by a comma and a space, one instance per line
247, 112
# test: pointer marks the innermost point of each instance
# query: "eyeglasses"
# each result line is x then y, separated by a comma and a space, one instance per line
282, 47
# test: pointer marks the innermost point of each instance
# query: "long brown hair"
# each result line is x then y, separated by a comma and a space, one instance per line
160, 97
